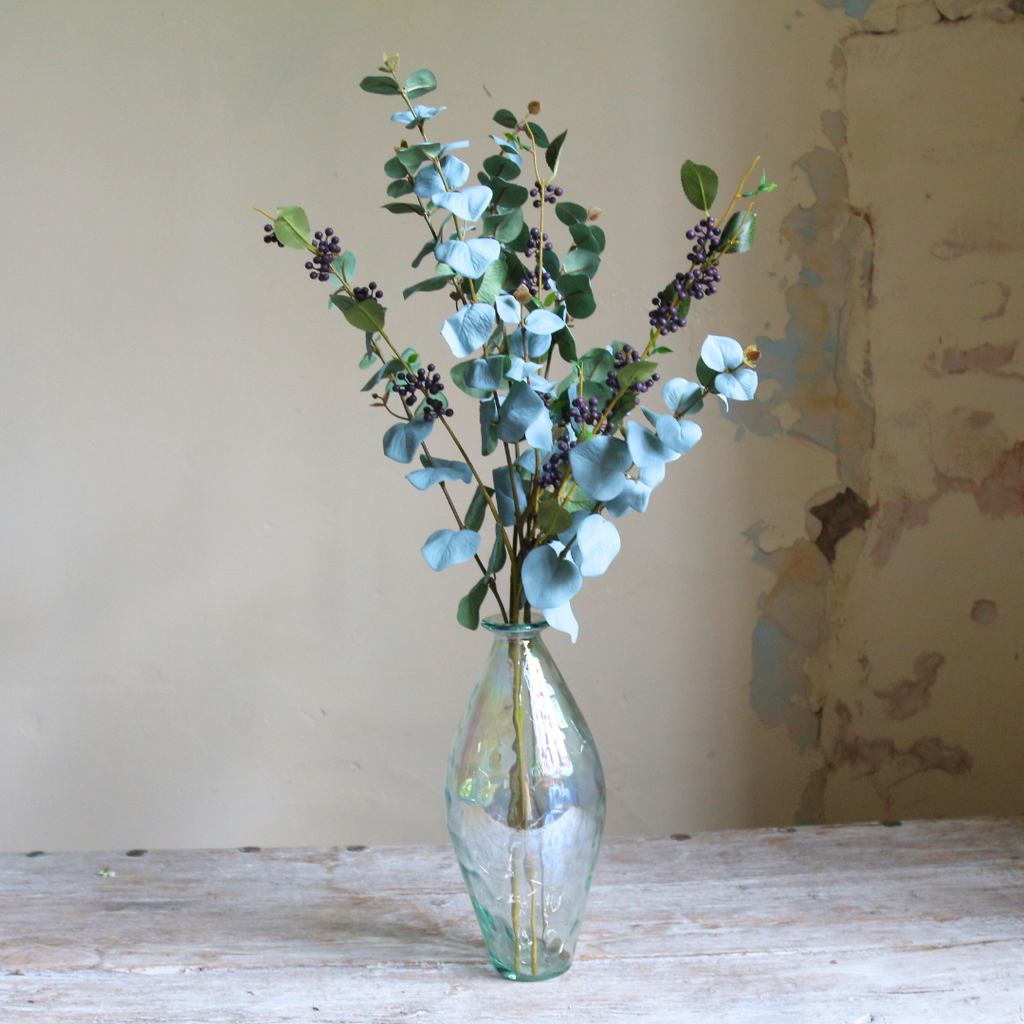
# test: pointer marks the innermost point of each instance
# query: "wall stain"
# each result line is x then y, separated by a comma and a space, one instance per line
970, 235
910, 696
984, 612
845, 512
987, 358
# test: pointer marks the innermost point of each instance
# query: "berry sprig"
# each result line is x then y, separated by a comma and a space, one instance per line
551, 194
327, 245
371, 291
553, 470
425, 382
704, 275
624, 357
537, 242
269, 236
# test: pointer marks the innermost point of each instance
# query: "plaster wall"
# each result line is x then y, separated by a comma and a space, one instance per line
215, 625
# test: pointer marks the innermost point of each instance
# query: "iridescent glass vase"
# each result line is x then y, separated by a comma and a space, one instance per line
526, 806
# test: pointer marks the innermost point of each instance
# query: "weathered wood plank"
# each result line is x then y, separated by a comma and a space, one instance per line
831, 924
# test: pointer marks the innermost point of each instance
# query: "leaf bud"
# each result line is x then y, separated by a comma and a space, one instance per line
522, 294
391, 63
593, 212
751, 354
534, 107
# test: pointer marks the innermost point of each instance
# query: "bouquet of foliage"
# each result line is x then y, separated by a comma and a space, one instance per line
571, 455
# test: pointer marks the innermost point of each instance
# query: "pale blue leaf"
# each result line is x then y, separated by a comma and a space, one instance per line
652, 477
518, 411
739, 384
543, 321
450, 547
503, 494
721, 353
485, 374
652, 417
417, 115
469, 204
539, 383
470, 258
468, 329
509, 145
537, 345
539, 432
562, 619
599, 465
645, 448
598, 543
448, 146
508, 308
517, 343
429, 179
519, 369
529, 459
402, 440
679, 435
442, 469
678, 394
549, 581
634, 495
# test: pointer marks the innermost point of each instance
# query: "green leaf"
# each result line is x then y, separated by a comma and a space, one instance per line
474, 518
506, 194
581, 261
498, 165
367, 315
632, 372
566, 344
458, 376
488, 286
540, 136
431, 284
405, 208
578, 295
580, 504
700, 184
660, 350
399, 188
469, 607
419, 83
394, 168
597, 364
552, 519
554, 152
587, 236
379, 84
705, 374
368, 360
291, 225
738, 233
505, 227
571, 213
506, 118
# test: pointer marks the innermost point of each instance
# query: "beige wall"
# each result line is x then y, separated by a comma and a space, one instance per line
216, 625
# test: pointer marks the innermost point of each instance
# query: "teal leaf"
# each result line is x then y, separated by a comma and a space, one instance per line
508, 308
634, 495
432, 284
540, 432
518, 368
291, 225
537, 345
543, 321
419, 83
700, 184
507, 194
599, 466
562, 619
467, 330
415, 117
457, 374
442, 469
738, 233
503, 165
539, 135
488, 286
721, 354
645, 448
468, 614
598, 543
486, 374
652, 477
404, 208
497, 560
399, 188
588, 236
469, 204
581, 261
566, 344
740, 385
402, 440
506, 118
571, 213
578, 295
367, 315
505, 227
394, 168
681, 396
518, 411
503, 496
430, 181
470, 258
474, 517
553, 153
379, 84
549, 581
679, 435
450, 547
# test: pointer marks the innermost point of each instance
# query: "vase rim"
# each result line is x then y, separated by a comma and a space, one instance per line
517, 629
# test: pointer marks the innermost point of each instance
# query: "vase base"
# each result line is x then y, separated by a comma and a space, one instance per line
553, 971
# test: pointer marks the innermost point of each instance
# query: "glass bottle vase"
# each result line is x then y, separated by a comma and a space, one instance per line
526, 806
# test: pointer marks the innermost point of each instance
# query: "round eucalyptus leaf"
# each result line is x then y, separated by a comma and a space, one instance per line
679, 435
549, 581
562, 618
645, 448
598, 543
402, 440
599, 466
467, 330
450, 547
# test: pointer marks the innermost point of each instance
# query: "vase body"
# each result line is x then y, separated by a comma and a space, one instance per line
526, 805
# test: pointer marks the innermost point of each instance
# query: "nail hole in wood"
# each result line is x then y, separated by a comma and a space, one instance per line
892, 824
35, 853
680, 836
136, 853
355, 849
248, 849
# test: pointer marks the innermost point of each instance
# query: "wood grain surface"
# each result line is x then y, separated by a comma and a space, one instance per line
922, 922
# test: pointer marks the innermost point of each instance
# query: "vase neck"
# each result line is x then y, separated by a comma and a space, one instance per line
514, 630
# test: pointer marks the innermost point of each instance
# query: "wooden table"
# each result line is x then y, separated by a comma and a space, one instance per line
922, 922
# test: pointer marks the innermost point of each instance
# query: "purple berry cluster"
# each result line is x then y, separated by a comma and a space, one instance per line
425, 382
327, 247
269, 236
536, 242
552, 471
531, 281
665, 315
371, 291
581, 411
624, 357
701, 279
551, 194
